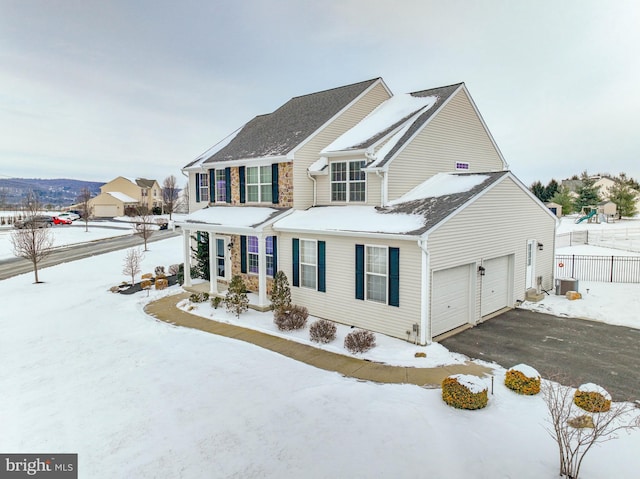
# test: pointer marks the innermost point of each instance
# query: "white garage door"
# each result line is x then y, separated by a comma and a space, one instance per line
105, 211
495, 284
450, 300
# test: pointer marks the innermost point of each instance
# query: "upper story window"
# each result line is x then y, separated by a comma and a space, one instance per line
221, 186
144, 192
203, 182
348, 181
462, 165
259, 184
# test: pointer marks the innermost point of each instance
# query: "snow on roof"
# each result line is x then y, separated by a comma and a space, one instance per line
215, 148
441, 184
365, 219
234, 216
122, 197
385, 115
319, 165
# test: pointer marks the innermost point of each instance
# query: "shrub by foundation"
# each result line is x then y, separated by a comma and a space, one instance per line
216, 301
360, 341
464, 391
523, 379
199, 297
322, 331
161, 283
592, 398
291, 317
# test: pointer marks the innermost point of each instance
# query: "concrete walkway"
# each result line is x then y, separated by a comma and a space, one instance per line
165, 310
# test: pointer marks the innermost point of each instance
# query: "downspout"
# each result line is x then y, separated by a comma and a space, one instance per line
425, 326
310, 176
383, 187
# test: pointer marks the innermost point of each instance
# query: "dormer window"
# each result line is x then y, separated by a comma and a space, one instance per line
348, 181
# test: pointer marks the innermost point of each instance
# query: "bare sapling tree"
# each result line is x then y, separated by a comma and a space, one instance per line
576, 432
144, 226
170, 194
33, 241
85, 207
132, 264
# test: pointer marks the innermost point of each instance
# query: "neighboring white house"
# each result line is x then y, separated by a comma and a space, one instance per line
395, 214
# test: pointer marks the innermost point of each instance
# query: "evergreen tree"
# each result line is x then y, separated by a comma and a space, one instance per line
236, 299
623, 196
550, 190
588, 193
280, 291
201, 255
564, 199
538, 190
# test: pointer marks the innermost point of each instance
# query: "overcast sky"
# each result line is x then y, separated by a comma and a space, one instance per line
96, 89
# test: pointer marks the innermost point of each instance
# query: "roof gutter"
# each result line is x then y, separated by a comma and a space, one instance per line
351, 234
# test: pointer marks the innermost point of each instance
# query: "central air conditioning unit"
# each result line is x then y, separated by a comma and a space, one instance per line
566, 284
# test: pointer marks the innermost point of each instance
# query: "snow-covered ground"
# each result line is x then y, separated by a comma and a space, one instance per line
85, 370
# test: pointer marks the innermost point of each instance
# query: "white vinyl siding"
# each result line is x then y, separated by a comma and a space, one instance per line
339, 304
454, 136
452, 244
302, 185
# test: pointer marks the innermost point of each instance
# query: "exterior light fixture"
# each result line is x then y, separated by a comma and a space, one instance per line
540, 246
229, 246
481, 270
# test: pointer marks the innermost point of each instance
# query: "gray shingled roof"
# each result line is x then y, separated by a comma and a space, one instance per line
436, 209
442, 93
144, 183
277, 133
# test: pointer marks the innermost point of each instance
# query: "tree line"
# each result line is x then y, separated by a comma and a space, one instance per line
624, 193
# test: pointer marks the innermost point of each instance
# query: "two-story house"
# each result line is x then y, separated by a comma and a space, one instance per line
393, 213
122, 196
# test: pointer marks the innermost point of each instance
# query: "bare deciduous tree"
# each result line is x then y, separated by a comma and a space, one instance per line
132, 264
144, 225
33, 241
85, 206
170, 194
576, 432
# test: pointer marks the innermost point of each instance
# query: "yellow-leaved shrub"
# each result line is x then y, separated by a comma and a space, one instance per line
520, 383
460, 396
591, 401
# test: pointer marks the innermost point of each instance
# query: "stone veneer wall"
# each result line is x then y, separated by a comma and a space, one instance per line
251, 280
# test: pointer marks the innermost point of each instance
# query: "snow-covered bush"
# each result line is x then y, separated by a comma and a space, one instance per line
464, 391
215, 301
359, 341
199, 297
173, 269
523, 379
291, 317
592, 398
236, 299
159, 271
280, 291
322, 331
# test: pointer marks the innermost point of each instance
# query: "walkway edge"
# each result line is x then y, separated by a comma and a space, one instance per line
165, 309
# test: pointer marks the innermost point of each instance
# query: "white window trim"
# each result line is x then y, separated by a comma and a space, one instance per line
199, 179
347, 182
366, 273
215, 179
266, 255
315, 266
259, 184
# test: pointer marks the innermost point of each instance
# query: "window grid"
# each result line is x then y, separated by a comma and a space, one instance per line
462, 165
221, 186
348, 181
220, 256
253, 261
258, 179
376, 273
204, 186
308, 264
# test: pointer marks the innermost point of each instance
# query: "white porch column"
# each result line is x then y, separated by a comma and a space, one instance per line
186, 235
262, 270
213, 265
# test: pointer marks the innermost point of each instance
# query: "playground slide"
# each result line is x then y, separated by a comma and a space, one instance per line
586, 217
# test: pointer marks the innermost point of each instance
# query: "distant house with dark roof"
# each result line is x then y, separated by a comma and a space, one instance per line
122, 196
393, 213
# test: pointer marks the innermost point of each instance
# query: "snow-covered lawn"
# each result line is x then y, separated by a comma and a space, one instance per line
85, 370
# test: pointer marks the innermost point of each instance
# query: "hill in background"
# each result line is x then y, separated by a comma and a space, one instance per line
52, 193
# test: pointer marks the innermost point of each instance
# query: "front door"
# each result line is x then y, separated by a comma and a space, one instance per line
531, 269
222, 262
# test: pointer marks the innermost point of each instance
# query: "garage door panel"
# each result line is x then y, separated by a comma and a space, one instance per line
450, 302
495, 284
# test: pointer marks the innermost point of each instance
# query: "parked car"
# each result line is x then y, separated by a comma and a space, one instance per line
38, 221
69, 216
61, 221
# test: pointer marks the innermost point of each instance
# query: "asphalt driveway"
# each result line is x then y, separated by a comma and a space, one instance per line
580, 351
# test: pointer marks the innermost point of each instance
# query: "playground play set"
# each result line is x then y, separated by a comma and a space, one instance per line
604, 212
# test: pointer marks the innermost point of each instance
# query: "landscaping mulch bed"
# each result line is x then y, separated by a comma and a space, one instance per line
172, 280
